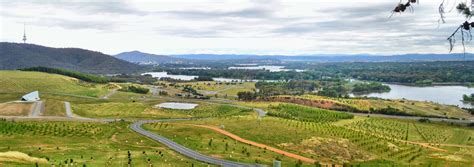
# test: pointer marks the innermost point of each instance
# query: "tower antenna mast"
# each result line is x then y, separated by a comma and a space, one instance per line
24, 33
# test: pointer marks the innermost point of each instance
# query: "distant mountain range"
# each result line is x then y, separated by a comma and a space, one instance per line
336, 57
146, 58
18, 55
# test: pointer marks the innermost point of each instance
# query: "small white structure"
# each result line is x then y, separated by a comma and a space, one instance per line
276, 163
177, 106
33, 96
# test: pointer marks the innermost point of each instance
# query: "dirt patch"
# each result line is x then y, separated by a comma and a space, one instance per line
15, 109
216, 156
15, 156
114, 137
447, 157
338, 150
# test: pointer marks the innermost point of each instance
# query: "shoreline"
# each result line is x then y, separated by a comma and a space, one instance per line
469, 85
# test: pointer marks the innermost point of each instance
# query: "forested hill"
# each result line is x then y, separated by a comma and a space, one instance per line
17, 55
146, 58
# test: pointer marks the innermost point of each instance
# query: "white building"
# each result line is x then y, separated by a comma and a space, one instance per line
33, 96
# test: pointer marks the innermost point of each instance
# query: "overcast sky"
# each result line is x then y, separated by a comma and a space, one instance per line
288, 27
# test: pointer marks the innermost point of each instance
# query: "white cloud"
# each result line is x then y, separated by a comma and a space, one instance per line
229, 26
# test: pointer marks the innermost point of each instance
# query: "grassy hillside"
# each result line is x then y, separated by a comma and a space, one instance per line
16, 55
69, 144
24, 82
359, 140
211, 143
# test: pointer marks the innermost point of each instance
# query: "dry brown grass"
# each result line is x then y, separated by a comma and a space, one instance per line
15, 109
339, 150
15, 156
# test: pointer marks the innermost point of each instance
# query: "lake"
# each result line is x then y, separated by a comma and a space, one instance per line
178, 106
451, 95
166, 75
190, 77
269, 68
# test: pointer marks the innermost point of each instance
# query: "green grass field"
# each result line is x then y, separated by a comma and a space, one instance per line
25, 82
217, 145
147, 110
54, 108
341, 143
90, 144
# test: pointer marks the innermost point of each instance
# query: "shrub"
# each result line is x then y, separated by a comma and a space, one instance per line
204, 78
136, 89
247, 96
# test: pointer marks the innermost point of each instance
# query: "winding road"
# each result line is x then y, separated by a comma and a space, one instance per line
183, 150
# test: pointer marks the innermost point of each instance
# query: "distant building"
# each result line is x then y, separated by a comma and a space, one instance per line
33, 96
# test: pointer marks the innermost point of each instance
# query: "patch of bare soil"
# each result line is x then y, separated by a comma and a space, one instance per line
15, 109
216, 156
114, 137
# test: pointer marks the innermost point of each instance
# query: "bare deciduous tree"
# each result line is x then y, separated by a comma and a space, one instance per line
462, 7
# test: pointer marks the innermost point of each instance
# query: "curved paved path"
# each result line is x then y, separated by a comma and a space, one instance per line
37, 109
67, 105
183, 150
